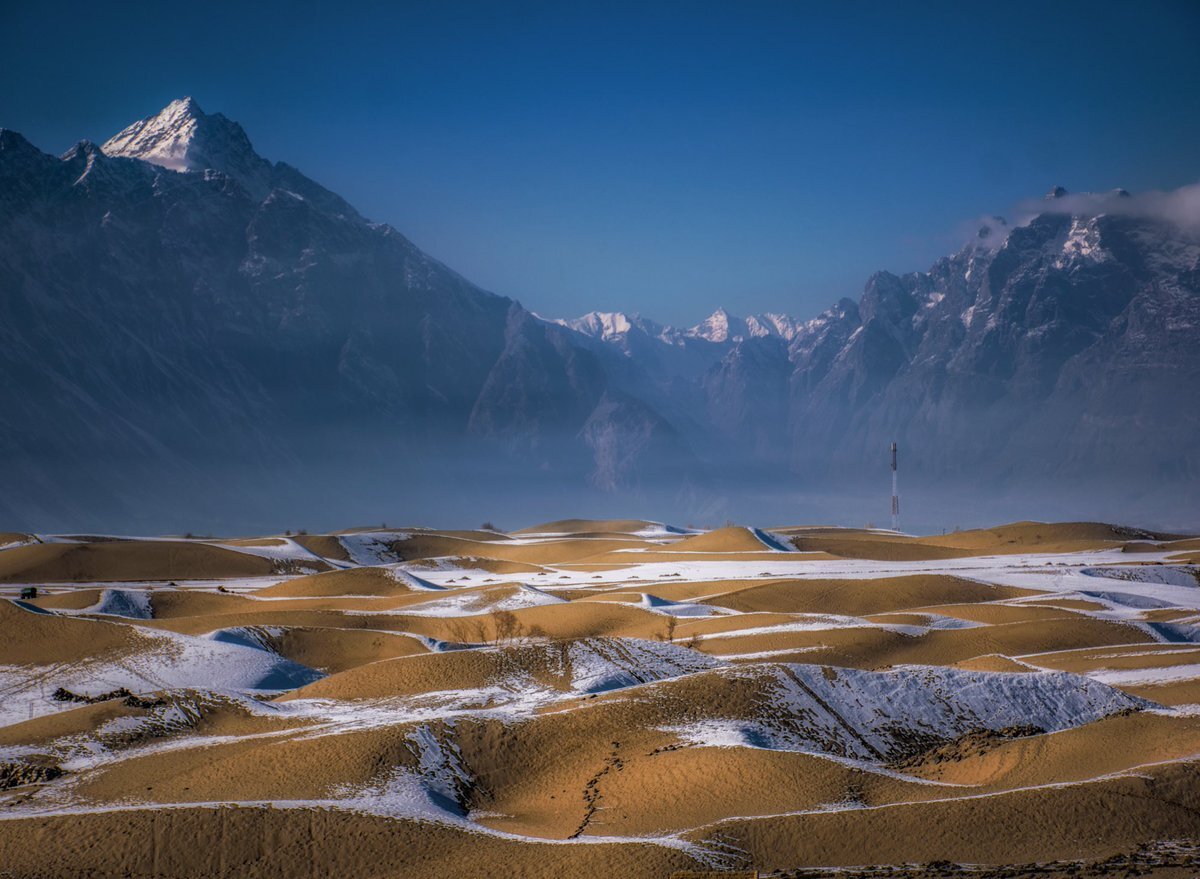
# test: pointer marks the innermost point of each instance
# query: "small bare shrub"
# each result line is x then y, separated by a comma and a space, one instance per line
507, 625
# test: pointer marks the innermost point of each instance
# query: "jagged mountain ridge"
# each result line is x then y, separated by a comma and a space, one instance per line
163, 318
175, 309
1068, 345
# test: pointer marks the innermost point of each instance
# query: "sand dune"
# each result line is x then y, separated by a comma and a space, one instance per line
993, 662
43, 639
536, 704
1018, 827
579, 526
128, 560
266, 842
877, 648
856, 597
325, 545
583, 666
1107, 746
1044, 536
355, 581
884, 548
333, 649
731, 539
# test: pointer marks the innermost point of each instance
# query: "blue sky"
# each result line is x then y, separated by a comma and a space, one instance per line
664, 158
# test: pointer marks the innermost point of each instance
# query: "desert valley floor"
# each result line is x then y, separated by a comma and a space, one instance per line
617, 697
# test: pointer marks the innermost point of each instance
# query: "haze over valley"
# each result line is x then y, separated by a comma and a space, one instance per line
184, 317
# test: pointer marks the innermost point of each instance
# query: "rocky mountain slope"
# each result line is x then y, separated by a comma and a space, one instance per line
180, 317
176, 309
1065, 349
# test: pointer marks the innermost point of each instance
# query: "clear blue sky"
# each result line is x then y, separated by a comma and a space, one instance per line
665, 158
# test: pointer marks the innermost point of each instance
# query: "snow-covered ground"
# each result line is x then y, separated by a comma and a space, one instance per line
159, 660
863, 719
868, 715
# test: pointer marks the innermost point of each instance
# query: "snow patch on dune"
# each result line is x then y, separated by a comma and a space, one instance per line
372, 547
130, 603
461, 604
1182, 575
1162, 674
665, 606
601, 664
226, 660
412, 581
881, 716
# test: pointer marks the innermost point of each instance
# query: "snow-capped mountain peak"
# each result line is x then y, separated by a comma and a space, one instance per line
182, 137
605, 325
772, 324
719, 326
172, 138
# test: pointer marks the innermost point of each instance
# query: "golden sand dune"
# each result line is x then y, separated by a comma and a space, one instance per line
879, 647
994, 662
882, 547
334, 650
47, 640
536, 704
548, 551
855, 597
265, 763
619, 775
325, 545
1043, 537
197, 843
127, 561
560, 622
431, 672
1139, 656
355, 581
1022, 826
691, 787
1184, 693
730, 539
598, 526
1114, 744
68, 599
42, 732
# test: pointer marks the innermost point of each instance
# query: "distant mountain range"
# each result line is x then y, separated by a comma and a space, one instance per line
187, 329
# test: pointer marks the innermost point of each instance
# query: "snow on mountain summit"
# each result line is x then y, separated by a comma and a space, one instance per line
182, 137
720, 327
603, 325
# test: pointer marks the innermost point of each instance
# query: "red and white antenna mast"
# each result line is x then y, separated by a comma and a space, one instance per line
895, 494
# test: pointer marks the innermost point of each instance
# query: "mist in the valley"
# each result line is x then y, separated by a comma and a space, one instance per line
367, 480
